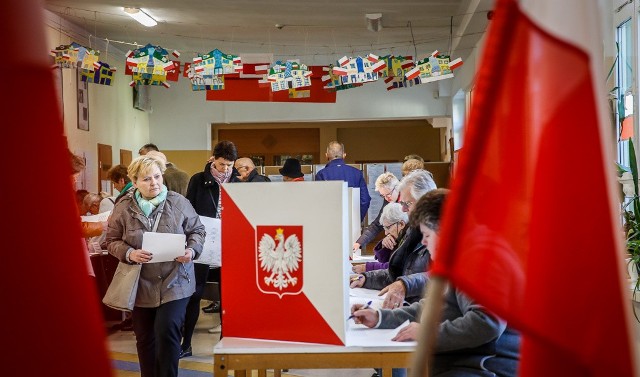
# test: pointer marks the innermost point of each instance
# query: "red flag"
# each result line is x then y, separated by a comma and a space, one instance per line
53, 324
530, 229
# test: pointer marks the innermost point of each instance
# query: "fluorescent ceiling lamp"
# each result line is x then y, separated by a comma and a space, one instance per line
140, 16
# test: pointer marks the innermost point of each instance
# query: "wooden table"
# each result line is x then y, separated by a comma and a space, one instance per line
244, 355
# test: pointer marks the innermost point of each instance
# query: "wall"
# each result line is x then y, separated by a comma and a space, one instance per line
112, 118
180, 119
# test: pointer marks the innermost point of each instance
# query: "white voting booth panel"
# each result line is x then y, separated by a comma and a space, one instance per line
354, 217
285, 256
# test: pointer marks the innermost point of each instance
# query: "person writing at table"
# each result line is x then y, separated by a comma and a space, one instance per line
405, 278
393, 220
164, 288
470, 341
387, 186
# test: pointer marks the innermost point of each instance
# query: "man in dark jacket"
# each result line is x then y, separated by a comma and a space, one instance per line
338, 170
247, 170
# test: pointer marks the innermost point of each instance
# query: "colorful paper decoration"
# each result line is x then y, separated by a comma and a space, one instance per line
207, 70
288, 75
395, 70
353, 72
75, 55
102, 74
434, 68
149, 65
333, 82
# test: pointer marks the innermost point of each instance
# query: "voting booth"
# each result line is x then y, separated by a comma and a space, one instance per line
285, 251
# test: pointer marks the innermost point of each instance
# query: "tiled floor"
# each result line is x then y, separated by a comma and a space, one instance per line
122, 345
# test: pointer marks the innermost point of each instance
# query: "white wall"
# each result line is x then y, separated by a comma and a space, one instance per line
181, 118
112, 118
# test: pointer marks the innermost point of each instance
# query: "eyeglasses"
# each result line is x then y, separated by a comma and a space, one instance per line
388, 195
387, 227
405, 205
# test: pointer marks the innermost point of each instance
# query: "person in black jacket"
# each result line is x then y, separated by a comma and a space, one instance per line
247, 170
205, 195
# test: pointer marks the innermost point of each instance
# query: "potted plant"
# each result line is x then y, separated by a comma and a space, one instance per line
631, 215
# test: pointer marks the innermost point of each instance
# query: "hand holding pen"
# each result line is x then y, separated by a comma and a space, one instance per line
364, 314
357, 281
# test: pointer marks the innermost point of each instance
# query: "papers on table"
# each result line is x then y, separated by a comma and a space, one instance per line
165, 247
368, 294
362, 336
362, 258
103, 216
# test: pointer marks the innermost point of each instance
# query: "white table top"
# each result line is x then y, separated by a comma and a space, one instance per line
231, 345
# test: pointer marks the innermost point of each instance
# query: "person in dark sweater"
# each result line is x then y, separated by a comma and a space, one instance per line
471, 341
247, 170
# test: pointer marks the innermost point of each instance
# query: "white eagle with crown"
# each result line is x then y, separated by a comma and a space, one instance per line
281, 259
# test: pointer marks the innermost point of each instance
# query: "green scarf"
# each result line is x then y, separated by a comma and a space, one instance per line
147, 206
125, 189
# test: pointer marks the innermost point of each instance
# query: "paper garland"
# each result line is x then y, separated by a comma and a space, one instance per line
433, 68
288, 75
352, 72
102, 74
394, 72
75, 55
207, 70
149, 65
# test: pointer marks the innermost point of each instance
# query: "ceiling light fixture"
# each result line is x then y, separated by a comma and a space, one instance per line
140, 16
374, 21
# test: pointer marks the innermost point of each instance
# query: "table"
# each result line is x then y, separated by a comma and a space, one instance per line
244, 355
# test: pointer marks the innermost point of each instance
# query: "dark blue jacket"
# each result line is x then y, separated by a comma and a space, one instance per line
338, 170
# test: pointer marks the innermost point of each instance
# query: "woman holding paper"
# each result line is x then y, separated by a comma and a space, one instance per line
470, 341
165, 287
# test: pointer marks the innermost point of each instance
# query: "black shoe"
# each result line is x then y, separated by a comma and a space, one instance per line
185, 353
208, 307
126, 325
213, 308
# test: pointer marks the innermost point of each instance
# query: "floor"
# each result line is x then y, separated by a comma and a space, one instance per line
122, 345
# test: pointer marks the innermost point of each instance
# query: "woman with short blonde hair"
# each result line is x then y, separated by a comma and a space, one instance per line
387, 186
165, 287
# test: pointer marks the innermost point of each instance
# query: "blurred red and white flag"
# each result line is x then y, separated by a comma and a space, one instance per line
54, 325
517, 235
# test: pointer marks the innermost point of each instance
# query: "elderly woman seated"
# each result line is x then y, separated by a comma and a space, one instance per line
393, 220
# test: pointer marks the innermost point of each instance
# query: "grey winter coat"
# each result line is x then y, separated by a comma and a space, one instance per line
164, 281
469, 339
408, 264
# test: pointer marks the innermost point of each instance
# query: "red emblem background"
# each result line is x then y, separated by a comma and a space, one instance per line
261, 274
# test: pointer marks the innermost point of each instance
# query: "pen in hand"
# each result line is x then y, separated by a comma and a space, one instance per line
366, 306
356, 278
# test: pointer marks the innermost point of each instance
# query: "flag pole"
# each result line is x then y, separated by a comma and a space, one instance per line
429, 322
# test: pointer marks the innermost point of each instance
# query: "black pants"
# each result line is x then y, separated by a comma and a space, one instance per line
193, 308
158, 337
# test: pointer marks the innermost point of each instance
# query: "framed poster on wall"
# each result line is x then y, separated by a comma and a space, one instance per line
83, 102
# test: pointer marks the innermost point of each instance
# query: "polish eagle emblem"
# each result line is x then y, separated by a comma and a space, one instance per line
279, 258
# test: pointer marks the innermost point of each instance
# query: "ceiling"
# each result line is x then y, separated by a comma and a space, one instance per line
315, 32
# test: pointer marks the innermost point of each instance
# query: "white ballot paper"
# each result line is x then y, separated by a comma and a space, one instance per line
165, 247
212, 248
362, 336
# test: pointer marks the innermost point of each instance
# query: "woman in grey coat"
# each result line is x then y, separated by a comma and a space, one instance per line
470, 341
164, 287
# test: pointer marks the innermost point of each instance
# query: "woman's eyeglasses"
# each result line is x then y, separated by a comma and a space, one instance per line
405, 205
387, 227
388, 195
